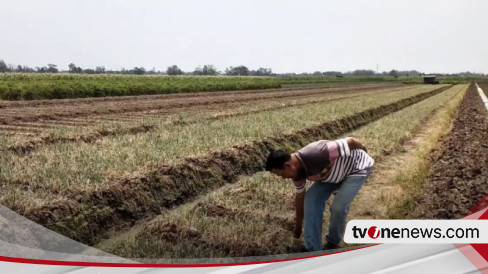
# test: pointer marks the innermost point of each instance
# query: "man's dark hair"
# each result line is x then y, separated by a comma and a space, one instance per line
277, 159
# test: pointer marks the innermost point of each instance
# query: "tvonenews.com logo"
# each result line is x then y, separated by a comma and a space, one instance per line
373, 232
418, 231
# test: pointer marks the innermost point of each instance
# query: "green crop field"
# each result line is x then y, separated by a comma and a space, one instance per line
60, 86
25, 86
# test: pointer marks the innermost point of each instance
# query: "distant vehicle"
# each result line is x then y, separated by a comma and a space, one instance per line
430, 79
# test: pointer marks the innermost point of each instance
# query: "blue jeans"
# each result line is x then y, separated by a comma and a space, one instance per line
315, 198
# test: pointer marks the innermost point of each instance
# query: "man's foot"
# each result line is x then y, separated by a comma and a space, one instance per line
297, 248
302, 248
330, 246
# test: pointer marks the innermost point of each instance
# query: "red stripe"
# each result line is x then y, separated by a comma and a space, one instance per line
95, 264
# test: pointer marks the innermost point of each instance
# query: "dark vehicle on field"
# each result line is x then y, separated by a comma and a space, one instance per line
430, 79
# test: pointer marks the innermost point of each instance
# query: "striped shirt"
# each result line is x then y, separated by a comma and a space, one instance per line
330, 162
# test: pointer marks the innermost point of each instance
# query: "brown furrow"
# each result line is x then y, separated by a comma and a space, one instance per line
88, 138
31, 145
100, 110
457, 184
115, 99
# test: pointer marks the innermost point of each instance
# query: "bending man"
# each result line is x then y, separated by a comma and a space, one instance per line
342, 166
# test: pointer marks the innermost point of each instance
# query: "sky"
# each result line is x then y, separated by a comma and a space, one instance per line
443, 36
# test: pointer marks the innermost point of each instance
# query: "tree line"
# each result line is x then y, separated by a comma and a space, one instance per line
171, 70
212, 70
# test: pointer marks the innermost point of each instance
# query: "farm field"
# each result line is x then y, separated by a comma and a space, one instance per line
42, 86
33, 117
256, 215
162, 135
27, 86
179, 176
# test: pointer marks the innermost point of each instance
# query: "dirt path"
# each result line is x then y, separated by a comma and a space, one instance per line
389, 192
459, 178
452, 164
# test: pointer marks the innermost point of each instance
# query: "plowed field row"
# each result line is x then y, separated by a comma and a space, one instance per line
91, 100
164, 105
457, 185
134, 121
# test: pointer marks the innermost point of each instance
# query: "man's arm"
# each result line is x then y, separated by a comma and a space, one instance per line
354, 143
299, 201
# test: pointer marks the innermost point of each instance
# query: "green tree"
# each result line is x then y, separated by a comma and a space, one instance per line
263, 72
52, 68
206, 70
174, 70
74, 69
3, 66
240, 70
100, 69
139, 71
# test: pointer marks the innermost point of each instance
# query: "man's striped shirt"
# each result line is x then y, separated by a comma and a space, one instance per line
330, 162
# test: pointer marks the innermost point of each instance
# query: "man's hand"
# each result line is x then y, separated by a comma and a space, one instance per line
297, 231
299, 200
